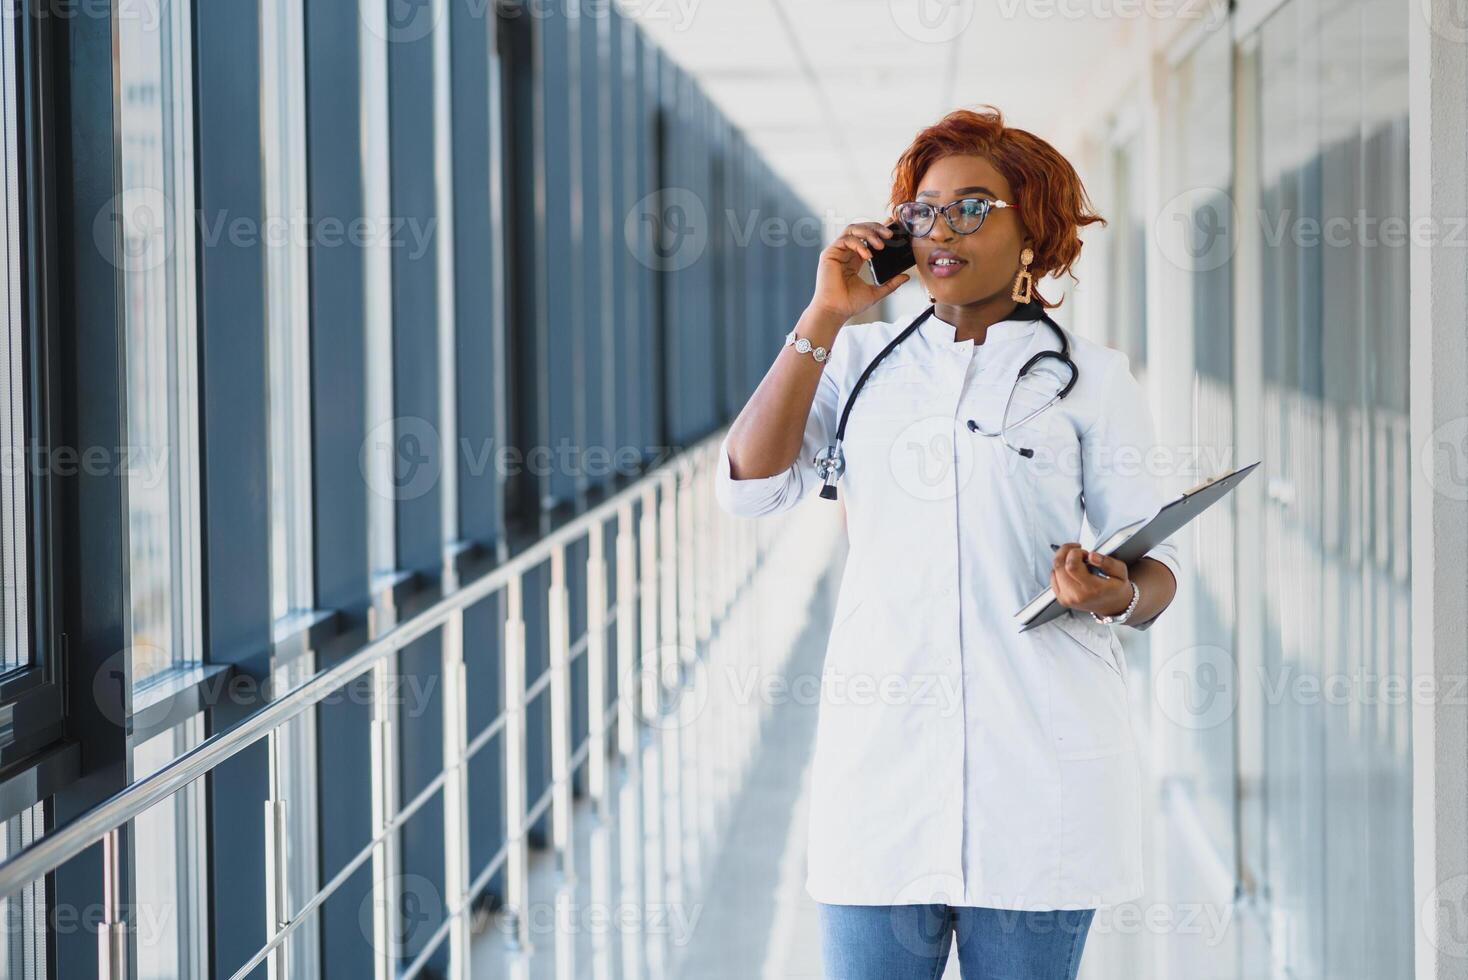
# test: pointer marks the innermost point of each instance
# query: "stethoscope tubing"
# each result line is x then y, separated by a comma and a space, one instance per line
831, 462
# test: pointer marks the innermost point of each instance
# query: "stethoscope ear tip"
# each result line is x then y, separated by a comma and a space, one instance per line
829, 491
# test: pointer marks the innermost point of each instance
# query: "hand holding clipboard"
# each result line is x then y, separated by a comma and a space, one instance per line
1131, 543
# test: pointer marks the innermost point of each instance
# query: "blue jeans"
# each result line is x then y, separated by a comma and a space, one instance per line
911, 942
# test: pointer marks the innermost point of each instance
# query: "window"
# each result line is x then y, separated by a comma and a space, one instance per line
292, 591
381, 451
153, 44
1127, 315
157, 266
22, 919
170, 901
283, 131
15, 649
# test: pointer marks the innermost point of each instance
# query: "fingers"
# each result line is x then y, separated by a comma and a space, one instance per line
1114, 567
1074, 585
864, 237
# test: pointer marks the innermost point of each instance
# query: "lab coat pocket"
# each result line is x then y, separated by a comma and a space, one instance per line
1089, 707
1101, 828
1092, 636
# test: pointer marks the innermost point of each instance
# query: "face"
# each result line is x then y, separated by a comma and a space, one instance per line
988, 258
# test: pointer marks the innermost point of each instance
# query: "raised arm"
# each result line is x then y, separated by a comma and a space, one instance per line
765, 461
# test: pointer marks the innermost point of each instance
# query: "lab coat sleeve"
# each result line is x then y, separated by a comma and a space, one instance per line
763, 496
1118, 478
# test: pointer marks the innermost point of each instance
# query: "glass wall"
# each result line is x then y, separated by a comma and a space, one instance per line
1196, 229
264, 345
1335, 859
157, 257
1126, 312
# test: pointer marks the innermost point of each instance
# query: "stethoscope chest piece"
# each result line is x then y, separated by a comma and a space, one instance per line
830, 463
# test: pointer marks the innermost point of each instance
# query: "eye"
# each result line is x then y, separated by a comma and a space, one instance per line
972, 207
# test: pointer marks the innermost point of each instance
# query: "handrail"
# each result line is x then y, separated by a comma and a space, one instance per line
67, 842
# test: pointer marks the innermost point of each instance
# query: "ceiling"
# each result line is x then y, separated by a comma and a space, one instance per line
831, 91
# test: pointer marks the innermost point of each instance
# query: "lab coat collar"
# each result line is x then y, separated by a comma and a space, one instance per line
1021, 324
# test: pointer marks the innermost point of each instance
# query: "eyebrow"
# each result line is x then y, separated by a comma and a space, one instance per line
961, 190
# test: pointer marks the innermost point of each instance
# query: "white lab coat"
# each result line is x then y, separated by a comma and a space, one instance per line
956, 759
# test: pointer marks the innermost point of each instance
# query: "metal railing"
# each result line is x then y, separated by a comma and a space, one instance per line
681, 564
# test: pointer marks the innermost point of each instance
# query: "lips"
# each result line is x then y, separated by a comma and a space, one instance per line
943, 263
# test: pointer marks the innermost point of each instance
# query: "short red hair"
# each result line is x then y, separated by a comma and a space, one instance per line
1052, 203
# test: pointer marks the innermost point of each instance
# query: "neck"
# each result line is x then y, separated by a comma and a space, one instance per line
971, 321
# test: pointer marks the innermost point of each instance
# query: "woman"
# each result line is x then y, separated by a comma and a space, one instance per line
988, 793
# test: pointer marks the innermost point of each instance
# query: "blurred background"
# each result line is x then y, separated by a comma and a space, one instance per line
366, 608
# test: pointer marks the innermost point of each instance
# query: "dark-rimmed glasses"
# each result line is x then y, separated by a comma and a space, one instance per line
964, 216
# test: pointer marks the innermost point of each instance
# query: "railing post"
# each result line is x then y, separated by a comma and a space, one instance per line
627, 592
517, 868
649, 594
277, 880
384, 805
112, 938
671, 668
690, 654
596, 668
456, 796
560, 710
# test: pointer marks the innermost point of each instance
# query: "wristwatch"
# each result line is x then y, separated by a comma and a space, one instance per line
1122, 617
803, 345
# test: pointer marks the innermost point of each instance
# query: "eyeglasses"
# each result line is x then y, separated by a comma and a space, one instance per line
964, 216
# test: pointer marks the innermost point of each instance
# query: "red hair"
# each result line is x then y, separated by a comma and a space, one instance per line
1052, 203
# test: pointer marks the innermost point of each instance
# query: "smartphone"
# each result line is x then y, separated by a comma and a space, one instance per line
895, 258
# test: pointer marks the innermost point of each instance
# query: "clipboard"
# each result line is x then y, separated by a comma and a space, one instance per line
1135, 540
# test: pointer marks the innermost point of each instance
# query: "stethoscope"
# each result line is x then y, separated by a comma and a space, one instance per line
830, 462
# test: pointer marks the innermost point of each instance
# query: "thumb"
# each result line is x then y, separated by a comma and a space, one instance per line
891, 285
1114, 567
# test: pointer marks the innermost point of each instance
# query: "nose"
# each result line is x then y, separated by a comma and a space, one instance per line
940, 233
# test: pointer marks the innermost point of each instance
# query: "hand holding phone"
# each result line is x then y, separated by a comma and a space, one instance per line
893, 260
841, 292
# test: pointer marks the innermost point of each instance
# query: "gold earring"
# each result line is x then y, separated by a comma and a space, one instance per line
1023, 282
